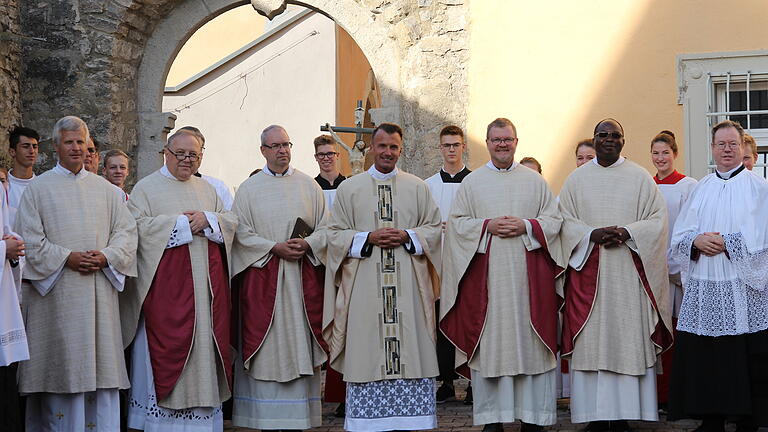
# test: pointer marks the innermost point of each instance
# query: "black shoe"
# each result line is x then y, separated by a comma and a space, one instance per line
445, 393
530, 427
597, 426
468, 398
493, 427
746, 424
619, 426
341, 411
712, 424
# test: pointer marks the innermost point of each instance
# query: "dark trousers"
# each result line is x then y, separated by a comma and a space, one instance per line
10, 407
446, 353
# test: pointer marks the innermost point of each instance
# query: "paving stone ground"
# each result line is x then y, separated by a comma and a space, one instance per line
454, 416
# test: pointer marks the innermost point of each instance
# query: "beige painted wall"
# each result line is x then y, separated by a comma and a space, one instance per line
214, 41
556, 68
290, 81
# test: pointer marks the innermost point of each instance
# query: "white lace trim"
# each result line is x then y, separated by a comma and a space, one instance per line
12, 337
720, 308
752, 267
201, 414
681, 254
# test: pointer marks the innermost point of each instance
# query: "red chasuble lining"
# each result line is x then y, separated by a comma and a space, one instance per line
169, 315
580, 293
463, 324
543, 298
257, 303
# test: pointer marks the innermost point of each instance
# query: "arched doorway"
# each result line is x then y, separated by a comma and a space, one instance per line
188, 16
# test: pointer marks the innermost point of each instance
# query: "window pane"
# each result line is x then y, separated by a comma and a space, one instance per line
758, 100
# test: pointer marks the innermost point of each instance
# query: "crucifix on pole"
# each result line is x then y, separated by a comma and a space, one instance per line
357, 151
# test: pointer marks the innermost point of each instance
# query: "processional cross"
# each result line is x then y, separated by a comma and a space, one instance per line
357, 152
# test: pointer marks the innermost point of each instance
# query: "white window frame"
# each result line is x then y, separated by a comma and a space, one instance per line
698, 75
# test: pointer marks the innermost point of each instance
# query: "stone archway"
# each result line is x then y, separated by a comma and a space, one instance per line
186, 17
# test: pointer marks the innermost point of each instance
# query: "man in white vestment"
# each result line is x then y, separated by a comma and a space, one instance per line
179, 307
383, 254
221, 188
13, 337
276, 260
617, 319
443, 186
720, 240
23, 150
499, 300
81, 245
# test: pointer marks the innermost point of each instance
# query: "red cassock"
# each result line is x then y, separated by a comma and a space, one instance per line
258, 291
169, 314
464, 323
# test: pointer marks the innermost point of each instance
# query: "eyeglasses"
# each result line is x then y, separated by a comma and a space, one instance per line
730, 145
497, 141
328, 155
614, 135
91, 150
285, 145
180, 156
450, 145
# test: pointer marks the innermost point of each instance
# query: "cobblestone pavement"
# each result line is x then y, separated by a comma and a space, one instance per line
454, 416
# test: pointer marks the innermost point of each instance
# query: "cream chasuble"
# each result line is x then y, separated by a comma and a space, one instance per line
277, 385
509, 344
381, 331
157, 201
617, 319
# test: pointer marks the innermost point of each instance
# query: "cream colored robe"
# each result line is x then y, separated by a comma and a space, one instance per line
353, 323
156, 201
268, 207
508, 345
74, 330
617, 334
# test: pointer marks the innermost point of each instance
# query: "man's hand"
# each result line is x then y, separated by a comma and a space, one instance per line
506, 226
388, 238
14, 247
92, 261
290, 250
74, 260
710, 243
197, 221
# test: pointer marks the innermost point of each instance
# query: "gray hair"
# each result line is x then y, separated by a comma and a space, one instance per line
196, 131
68, 123
188, 132
269, 129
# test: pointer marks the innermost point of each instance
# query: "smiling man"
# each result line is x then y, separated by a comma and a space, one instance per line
81, 245
177, 313
616, 319
116, 164
384, 241
720, 241
327, 157
498, 301
23, 148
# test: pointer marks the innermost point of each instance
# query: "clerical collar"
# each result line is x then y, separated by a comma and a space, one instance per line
164, 171
730, 174
326, 185
617, 163
378, 175
670, 179
63, 171
285, 173
495, 168
456, 178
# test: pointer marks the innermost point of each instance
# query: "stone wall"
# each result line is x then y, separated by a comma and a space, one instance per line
90, 65
10, 49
